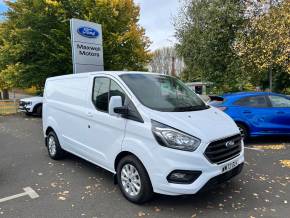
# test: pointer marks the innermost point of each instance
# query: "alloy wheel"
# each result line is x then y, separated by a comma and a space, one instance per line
52, 146
130, 179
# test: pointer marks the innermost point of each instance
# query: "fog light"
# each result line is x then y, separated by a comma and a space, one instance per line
183, 176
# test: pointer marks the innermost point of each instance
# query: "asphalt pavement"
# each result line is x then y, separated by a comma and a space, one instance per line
76, 188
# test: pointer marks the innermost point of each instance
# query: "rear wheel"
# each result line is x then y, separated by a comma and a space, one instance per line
244, 131
53, 147
133, 180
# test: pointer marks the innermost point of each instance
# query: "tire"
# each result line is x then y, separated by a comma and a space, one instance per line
244, 131
141, 179
38, 110
54, 149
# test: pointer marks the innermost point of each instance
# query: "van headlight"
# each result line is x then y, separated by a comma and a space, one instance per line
173, 138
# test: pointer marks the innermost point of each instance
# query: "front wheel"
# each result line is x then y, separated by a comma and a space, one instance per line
133, 180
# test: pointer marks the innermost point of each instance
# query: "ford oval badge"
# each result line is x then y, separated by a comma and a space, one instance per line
230, 144
88, 32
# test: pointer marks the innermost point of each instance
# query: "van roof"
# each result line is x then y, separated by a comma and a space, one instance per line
82, 75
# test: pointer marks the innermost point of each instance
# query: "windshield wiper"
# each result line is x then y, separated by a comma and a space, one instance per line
191, 108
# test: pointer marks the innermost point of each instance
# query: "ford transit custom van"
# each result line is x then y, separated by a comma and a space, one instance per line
150, 130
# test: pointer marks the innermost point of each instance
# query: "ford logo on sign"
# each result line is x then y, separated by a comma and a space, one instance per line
88, 32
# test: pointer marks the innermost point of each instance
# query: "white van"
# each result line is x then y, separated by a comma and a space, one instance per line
150, 130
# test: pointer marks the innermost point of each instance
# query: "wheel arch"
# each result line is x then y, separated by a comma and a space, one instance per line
137, 149
121, 155
51, 124
48, 130
36, 106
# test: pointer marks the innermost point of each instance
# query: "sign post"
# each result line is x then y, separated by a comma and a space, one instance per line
87, 46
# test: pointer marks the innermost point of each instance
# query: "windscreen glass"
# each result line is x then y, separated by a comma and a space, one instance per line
163, 93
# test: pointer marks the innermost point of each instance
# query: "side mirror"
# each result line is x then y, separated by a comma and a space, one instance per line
116, 107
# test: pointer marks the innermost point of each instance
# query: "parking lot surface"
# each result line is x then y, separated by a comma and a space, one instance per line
76, 188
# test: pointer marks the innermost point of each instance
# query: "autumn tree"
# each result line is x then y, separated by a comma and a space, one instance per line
265, 46
5, 85
206, 31
35, 37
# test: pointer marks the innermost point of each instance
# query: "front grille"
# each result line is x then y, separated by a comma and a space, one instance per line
223, 150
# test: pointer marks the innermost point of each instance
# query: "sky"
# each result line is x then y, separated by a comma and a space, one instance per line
2, 6
156, 17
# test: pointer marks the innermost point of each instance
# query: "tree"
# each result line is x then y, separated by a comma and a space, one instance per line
36, 37
206, 31
164, 59
4, 85
256, 8
264, 46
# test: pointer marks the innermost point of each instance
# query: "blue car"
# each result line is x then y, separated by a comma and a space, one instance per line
257, 113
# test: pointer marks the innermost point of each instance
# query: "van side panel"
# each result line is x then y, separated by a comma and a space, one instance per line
65, 108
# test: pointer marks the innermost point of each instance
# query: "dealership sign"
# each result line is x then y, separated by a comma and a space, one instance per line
87, 46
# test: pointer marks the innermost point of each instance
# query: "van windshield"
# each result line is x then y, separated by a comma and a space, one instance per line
163, 93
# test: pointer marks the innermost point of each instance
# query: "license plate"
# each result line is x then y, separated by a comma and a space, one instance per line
229, 166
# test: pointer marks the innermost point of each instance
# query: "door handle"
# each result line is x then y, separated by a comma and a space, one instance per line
247, 112
89, 114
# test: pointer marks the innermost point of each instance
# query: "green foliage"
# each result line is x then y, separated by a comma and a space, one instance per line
281, 79
206, 31
235, 44
3, 82
264, 47
35, 38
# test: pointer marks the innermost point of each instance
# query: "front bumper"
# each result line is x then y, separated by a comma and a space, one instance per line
25, 109
212, 174
213, 182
